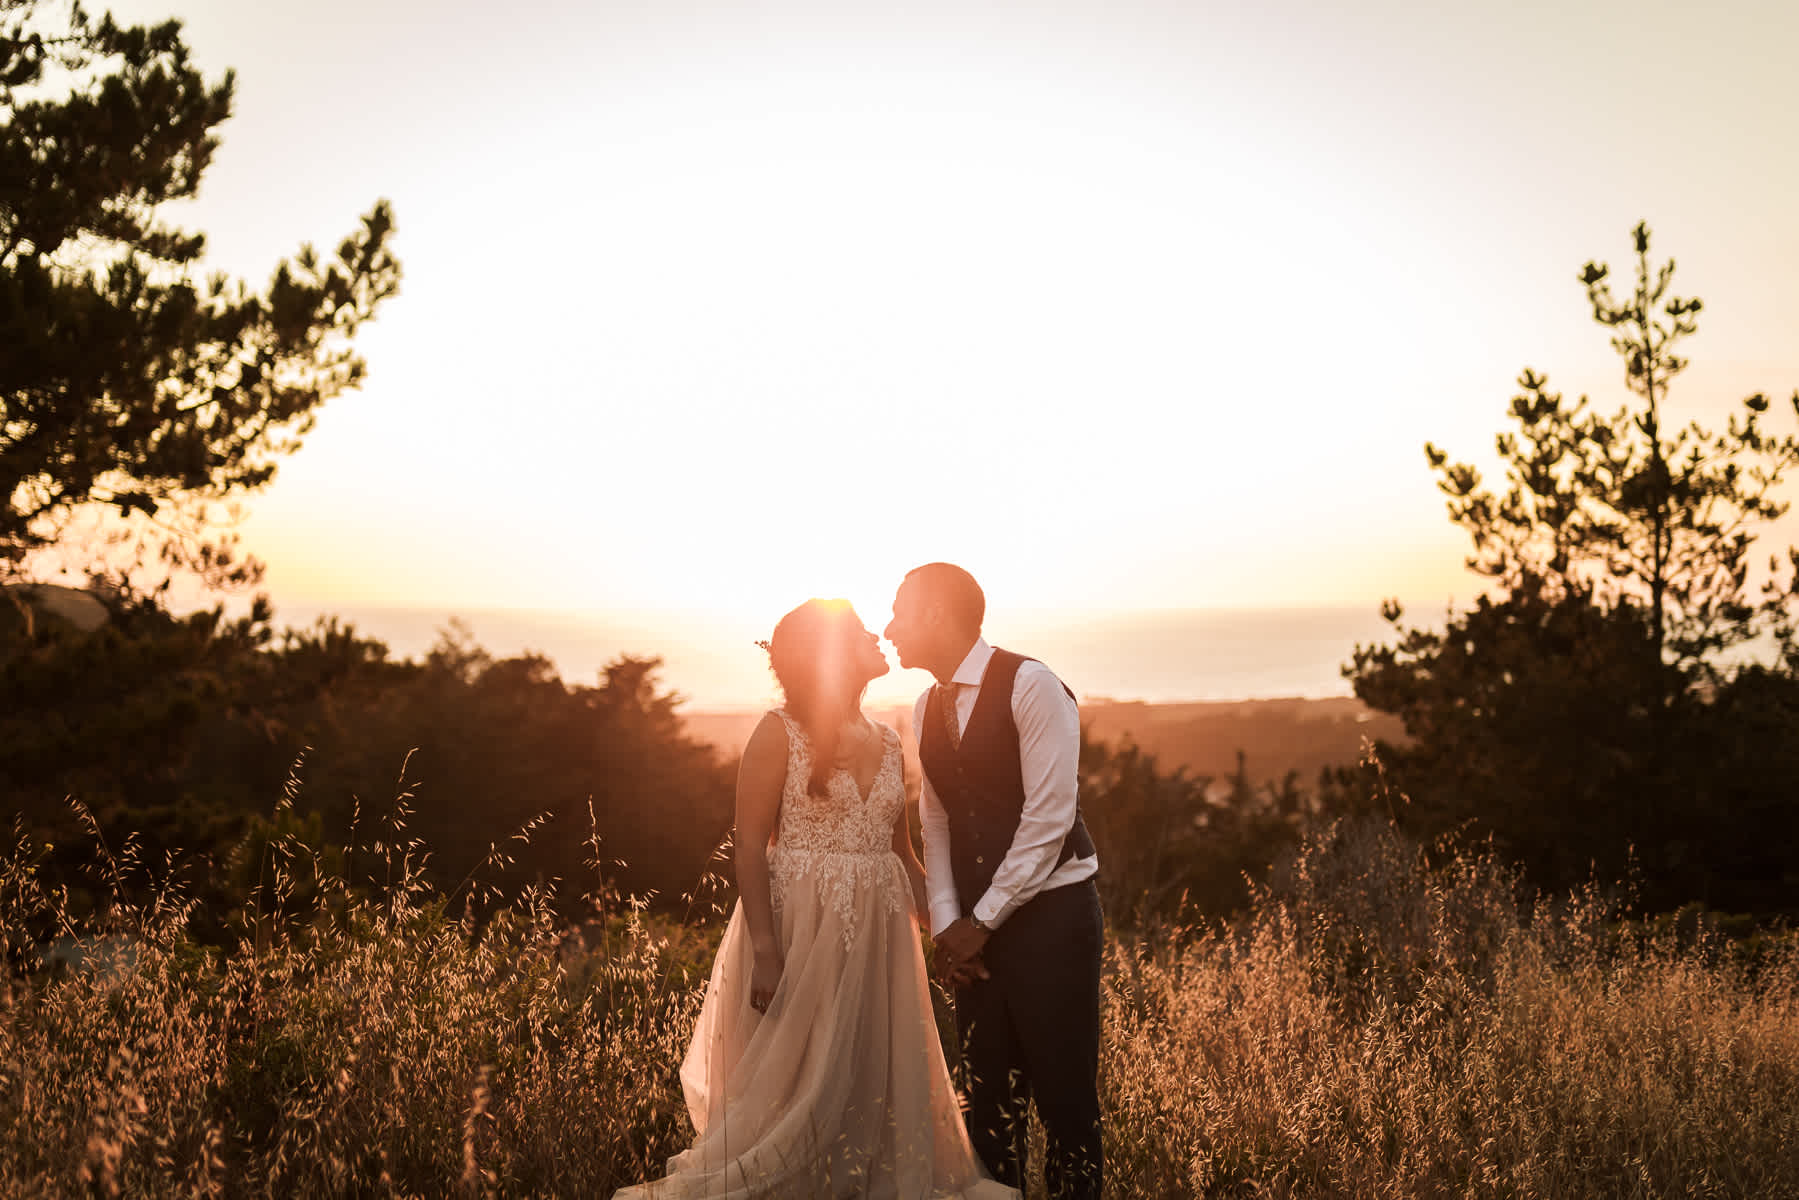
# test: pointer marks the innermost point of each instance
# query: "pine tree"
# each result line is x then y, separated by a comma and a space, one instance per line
1593, 705
125, 380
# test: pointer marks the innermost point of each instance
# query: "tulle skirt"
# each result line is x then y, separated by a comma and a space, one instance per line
840, 1089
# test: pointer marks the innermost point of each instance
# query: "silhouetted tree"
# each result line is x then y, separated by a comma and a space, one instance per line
1528, 716
124, 381
1636, 506
122, 720
1588, 708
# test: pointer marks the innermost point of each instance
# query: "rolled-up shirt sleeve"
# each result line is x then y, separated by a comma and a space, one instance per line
939, 877
1049, 747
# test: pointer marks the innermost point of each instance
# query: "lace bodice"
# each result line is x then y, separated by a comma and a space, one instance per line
842, 820
838, 846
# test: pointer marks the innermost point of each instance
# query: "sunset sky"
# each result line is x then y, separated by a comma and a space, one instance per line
711, 307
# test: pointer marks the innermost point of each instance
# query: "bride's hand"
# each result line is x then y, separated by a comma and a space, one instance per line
765, 976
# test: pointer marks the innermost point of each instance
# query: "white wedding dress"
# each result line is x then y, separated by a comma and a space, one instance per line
840, 1089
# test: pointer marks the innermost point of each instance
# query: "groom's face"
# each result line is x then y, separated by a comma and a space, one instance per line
913, 630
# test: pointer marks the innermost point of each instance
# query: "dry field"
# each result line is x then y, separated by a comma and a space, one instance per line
1373, 1028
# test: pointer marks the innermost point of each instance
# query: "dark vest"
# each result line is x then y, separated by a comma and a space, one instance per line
981, 784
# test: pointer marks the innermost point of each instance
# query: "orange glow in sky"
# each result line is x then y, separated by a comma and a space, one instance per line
1124, 306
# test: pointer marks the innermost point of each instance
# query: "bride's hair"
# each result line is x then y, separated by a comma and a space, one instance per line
814, 652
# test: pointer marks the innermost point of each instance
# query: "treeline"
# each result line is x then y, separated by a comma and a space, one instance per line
204, 738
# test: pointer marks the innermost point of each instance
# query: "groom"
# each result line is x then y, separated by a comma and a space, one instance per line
1009, 869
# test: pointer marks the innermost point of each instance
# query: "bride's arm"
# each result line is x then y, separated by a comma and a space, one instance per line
902, 846
760, 775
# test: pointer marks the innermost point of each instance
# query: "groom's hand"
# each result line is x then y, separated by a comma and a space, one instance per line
959, 953
965, 972
956, 973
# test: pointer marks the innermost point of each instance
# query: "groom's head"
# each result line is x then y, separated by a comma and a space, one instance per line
937, 615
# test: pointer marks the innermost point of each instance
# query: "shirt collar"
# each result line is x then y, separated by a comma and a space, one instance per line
974, 666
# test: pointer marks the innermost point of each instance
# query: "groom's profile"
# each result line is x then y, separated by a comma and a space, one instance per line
1009, 872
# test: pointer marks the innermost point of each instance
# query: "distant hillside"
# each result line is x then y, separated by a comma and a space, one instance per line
1276, 736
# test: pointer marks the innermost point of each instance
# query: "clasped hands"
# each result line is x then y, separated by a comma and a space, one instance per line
958, 958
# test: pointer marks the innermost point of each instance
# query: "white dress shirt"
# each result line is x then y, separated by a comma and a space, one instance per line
1049, 746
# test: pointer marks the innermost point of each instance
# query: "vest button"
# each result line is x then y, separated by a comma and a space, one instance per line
979, 860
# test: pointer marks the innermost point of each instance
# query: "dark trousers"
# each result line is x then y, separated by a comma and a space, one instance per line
1031, 1032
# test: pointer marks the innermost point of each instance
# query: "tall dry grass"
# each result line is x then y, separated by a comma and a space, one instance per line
1380, 1028
1373, 1027
372, 1041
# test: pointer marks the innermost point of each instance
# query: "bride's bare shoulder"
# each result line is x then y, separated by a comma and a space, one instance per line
769, 736
764, 760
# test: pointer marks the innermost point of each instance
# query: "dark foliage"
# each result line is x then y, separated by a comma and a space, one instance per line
182, 732
125, 381
1174, 846
1600, 712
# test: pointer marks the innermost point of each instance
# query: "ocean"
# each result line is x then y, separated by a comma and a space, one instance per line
713, 663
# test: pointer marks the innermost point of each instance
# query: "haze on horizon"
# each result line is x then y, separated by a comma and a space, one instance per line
1126, 307
713, 664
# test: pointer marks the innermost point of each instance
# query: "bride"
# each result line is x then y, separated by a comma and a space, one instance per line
815, 1068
